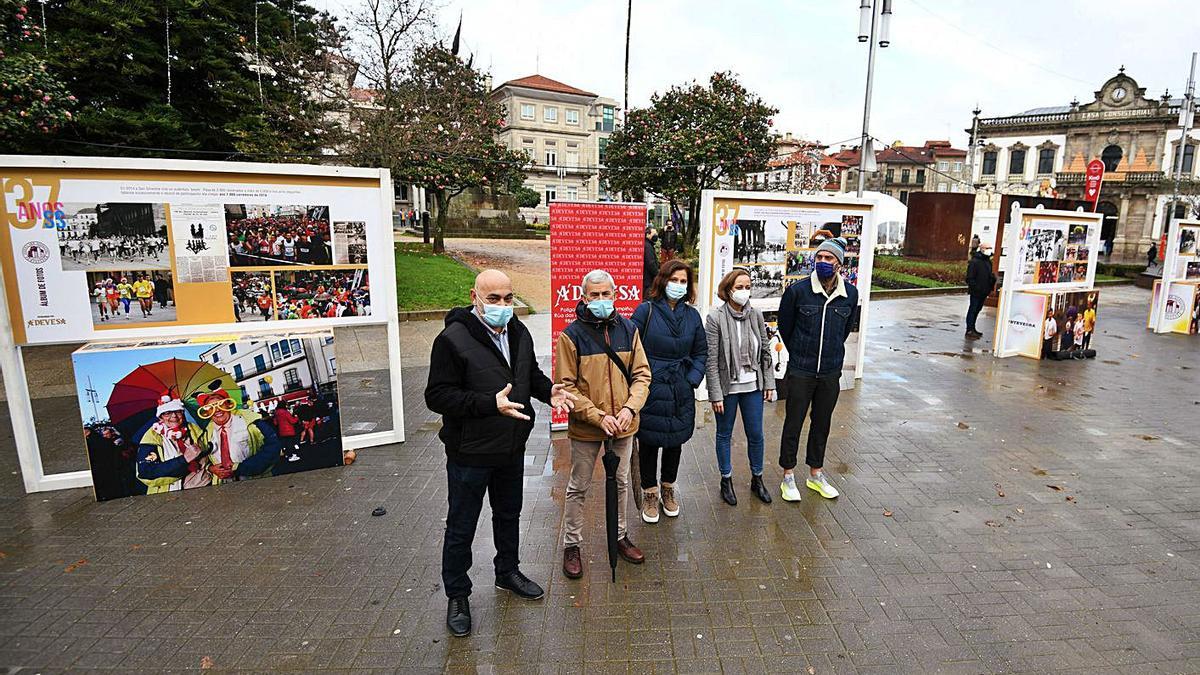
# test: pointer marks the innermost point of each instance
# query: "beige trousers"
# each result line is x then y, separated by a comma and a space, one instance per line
583, 464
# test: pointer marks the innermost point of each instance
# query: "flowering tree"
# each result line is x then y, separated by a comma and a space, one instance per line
691, 138
436, 129
33, 102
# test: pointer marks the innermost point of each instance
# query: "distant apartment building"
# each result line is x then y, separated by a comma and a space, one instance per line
935, 166
794, 161
272, 371
564, 130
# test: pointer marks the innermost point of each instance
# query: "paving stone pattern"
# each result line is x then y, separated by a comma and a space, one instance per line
997, 516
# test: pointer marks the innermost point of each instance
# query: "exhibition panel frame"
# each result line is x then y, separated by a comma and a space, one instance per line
773, 235
1051, 253
1181, 266
89, 243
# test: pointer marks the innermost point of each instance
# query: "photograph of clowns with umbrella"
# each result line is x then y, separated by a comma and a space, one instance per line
161, 418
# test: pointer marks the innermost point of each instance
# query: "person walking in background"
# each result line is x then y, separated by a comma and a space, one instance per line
974, 245
739, 375
649, 262
1152, 254
980, 282
483, 375
673, 336
815, 320
599, 358
670, 242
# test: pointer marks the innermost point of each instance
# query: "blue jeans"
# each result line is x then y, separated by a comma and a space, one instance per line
751, 404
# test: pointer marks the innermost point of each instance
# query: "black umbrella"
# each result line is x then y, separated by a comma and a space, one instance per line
611, 460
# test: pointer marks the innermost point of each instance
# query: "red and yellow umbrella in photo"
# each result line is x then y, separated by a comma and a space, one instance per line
136, 396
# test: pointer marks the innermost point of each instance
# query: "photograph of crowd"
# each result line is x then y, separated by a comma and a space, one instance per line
322, 294
253, 296
1045, 245
104, 236
851, 226
766, 281
350, 243
850, 269
1066, 272
1071, 322
162, 418
756, 242
1047, 272
275, 235
1078, 235
123, 297
800, 263
1187, 240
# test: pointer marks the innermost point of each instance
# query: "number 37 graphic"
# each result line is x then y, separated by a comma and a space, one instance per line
30, 201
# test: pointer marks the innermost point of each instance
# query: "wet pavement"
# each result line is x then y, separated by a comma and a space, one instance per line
997, 516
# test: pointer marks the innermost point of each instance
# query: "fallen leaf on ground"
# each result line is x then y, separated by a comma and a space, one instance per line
999, 490
1148, 437
1020, 510
887, 513
76, 565
992, 523
206, 662
1056, 488
964, 425
1070, 499
811, 670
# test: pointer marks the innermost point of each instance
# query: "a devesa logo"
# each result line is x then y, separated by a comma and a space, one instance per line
573, 294
51, 321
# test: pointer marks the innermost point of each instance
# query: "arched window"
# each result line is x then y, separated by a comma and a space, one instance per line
1111, 157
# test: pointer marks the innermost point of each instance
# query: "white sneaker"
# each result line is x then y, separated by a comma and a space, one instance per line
788, 488
821, 484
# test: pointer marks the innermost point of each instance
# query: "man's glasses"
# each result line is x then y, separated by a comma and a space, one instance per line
209, 409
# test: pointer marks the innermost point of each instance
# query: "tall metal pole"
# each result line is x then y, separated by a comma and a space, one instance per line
862, 148
971, 148
628, 26
1185, 115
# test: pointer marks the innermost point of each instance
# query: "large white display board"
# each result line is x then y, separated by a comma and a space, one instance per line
1051, 251
775, 236
1181, 263
110, 248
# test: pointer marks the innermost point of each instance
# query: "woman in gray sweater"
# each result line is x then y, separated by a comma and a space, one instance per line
739, 375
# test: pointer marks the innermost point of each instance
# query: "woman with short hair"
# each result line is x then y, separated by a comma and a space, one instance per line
673, 336
740, 375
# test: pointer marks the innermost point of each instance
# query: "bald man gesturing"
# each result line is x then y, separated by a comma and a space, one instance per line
482, 375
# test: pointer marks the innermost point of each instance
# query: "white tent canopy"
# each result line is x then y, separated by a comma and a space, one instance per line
891, 220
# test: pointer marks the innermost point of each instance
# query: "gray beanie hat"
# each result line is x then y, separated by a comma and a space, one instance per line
836, 246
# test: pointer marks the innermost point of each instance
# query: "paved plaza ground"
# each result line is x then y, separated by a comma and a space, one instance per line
997, 516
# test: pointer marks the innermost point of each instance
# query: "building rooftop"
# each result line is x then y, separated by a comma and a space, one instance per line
545, 84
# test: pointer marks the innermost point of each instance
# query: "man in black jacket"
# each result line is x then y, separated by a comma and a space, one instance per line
980, 282
649, 262
482, 375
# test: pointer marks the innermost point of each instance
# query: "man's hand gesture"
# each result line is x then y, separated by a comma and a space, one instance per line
507, 407
562, 400
625, 418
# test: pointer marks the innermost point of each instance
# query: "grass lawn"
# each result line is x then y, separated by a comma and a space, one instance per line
425, 280
887, 279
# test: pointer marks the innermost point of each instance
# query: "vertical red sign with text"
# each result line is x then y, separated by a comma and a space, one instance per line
586, 236
1092, 181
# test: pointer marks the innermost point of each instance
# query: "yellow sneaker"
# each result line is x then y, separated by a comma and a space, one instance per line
821, 484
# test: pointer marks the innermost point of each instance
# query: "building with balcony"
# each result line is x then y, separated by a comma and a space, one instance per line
935, 166
1045, 151
274, 370
564, 131
799, 166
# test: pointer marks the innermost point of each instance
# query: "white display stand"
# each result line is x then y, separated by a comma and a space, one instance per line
1174, 270
160, 180
718, 208
1016, 272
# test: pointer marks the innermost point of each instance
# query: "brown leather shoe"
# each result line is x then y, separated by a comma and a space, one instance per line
629, 552
573, 562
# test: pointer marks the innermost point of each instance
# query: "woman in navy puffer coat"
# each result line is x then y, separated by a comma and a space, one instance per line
673, 336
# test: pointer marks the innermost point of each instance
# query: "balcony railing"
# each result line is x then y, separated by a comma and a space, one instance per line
1137, 177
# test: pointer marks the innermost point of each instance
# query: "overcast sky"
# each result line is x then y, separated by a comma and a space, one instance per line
802, 57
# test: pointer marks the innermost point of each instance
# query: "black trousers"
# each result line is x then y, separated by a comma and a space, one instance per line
648, 464
466, 487
973, 310
804, 391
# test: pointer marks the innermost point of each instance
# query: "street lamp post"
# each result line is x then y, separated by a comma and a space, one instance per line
872, 14
971, 146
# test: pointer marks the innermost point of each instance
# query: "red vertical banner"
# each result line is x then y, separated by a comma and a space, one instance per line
1092, 180
586, 236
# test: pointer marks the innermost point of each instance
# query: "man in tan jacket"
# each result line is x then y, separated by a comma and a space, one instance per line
599, 359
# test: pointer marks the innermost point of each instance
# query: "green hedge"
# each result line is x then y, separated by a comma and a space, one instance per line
884, 278
945, 272
1121, 270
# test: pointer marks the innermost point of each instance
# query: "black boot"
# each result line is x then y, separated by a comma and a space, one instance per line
727, 491
760, 490
458, 616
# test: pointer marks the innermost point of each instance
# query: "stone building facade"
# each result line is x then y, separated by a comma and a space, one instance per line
1045, 151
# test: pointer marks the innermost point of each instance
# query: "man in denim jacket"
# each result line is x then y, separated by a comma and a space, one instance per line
815, 318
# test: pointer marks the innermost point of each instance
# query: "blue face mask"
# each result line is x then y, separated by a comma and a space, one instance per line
497, 316
676, 290
601, 309
824, 269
